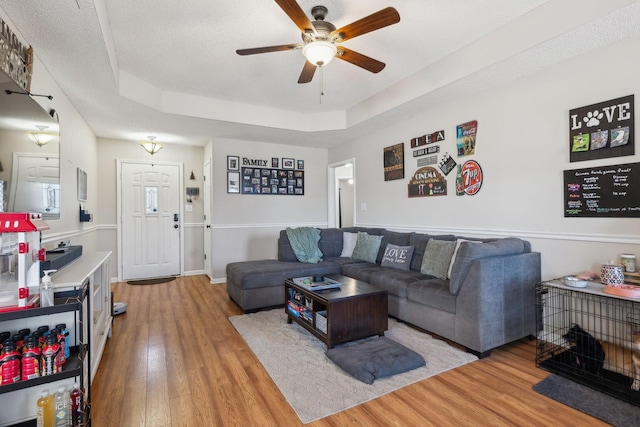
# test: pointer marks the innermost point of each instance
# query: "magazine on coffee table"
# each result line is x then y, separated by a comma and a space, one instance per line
308, 283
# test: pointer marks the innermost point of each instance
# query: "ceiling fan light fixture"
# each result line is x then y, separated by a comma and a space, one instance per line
319, 52
151, 146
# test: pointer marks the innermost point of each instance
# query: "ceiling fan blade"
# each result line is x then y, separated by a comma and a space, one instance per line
380, 19
297, 15
307, 73
267, 49
360, 60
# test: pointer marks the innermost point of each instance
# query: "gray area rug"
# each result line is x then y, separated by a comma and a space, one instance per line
585, 399
286, 351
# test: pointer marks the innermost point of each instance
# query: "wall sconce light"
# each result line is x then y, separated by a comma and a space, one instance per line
151, 146
41, 138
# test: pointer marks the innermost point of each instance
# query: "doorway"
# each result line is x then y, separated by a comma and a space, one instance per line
207, 200
150, 221
342, 194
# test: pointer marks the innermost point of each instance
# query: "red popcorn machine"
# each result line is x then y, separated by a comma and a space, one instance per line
20, 256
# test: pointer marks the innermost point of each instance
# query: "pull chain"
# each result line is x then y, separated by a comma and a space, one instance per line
321, 83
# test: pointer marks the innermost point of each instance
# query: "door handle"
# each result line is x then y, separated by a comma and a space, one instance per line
175, 226
208, 225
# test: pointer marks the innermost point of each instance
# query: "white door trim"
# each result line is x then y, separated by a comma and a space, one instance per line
333, 190
119, 163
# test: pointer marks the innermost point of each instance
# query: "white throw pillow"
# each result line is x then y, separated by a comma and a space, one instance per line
348, 244
455, 252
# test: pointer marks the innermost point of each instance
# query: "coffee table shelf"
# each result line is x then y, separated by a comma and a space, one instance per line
353, 311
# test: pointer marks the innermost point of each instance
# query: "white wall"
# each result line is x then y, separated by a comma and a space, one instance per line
522, 147
245, 227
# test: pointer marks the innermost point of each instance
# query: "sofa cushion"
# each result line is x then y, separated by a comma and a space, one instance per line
367, 247
455, 253
348, 244
361, 270
468, 252
397, 257
393, 280
432, 293
270, 272
330, 244
436, 258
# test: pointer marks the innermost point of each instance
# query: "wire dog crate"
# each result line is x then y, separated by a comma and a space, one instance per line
586, 335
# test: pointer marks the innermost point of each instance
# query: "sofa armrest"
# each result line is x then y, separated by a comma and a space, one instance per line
496, 303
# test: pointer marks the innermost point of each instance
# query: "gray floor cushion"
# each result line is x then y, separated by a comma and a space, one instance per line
375, 358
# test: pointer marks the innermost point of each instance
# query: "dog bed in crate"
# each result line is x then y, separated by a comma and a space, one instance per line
375, 358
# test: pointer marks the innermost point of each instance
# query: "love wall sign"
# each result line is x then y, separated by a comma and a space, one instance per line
602, 130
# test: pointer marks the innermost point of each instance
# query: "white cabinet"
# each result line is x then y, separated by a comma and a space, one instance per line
94, 267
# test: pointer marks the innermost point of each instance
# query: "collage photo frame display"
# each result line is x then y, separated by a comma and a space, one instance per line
272, 181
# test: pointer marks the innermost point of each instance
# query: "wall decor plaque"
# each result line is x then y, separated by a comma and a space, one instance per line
427, 181
466, 138
393, 160
602, 130
472, 177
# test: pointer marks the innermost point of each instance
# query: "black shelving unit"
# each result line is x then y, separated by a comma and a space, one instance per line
79, 360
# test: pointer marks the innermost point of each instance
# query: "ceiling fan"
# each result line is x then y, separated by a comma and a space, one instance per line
320, 38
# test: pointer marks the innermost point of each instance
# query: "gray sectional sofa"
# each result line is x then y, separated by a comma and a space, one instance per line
488, 300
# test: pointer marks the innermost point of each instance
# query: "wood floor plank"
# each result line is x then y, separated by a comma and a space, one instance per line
175, 360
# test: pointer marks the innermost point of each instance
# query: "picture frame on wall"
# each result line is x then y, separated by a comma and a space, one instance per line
288, 163
233, 182
233, 163
82, 185
300, 164
275, 162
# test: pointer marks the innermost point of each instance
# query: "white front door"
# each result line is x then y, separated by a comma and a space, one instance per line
151, 220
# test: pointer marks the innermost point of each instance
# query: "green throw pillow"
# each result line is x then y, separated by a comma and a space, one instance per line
367, 247
437, 257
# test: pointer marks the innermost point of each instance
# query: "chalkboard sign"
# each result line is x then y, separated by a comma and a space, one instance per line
607, 191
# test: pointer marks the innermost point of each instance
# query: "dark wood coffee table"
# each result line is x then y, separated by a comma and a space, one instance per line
353, 311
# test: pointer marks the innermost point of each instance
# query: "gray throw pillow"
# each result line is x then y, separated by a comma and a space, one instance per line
437, 257
397, 257
367, 247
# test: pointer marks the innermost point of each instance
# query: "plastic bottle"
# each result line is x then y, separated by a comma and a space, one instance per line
9, 363
31, 358
60, 359
50, 356
61, 403
46, 290
76, 406
63, 334
45, 410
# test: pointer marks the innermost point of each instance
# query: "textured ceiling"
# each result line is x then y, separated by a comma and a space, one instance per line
167, 68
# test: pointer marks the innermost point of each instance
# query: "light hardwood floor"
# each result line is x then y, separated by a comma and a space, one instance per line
175, 360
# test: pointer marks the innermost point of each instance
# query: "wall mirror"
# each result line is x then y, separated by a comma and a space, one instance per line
29, 154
